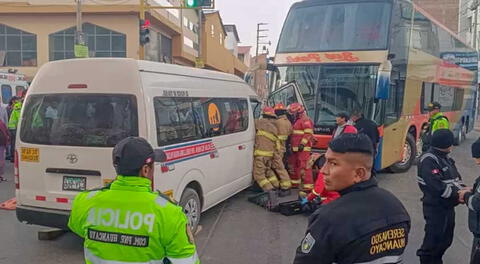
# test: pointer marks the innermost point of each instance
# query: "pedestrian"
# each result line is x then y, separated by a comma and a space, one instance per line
301, 142
367, 224
471, 197
4, 140
367, 127
440, 182
266, 141
13, 124
284, 128
126, 222
437, 121
343, 125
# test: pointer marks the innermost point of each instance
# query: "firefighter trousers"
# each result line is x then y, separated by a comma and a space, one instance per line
263, 174
302, 174
279, 168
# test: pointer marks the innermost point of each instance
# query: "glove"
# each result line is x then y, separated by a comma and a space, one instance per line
303, 201
301, 147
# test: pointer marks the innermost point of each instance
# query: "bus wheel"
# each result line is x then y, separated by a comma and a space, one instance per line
190, 202
409, 154
461, 135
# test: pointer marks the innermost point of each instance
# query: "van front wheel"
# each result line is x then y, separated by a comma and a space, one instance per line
190, 202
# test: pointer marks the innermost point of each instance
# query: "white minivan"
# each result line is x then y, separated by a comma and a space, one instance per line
77, 110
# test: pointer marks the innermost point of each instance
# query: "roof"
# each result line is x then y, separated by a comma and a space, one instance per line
244, 49
232, 28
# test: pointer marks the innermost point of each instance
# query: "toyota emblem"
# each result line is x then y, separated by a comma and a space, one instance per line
72, 158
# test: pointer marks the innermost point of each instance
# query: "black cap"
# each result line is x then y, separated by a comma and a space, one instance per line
352, 143
476, 149
434, 105
343, 115
442, 139
132, 153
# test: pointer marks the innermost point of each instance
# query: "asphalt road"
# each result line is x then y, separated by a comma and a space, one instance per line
238, 232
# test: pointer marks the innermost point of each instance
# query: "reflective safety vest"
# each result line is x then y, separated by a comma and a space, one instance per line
127, 222
15, 116
302, 134
266, 140
438, 121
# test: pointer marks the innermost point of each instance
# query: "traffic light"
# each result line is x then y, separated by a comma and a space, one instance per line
198, 3
144, 31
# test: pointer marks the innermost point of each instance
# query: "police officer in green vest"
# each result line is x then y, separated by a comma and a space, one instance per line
437, 121
126, 222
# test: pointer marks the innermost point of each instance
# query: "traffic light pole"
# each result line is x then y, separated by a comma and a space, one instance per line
141, 48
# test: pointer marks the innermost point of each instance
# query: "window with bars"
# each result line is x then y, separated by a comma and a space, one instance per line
102, 42
19, 47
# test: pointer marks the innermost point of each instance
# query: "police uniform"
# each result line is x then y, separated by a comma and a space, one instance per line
472, 200
440, 182
367, 224
126, 222
436, 122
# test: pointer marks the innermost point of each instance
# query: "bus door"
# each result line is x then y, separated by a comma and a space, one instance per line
286, 94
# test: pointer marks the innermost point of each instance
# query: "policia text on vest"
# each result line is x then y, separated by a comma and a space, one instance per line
126, 222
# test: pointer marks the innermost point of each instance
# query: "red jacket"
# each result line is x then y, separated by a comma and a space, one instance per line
302, 134
319, 191
348, 129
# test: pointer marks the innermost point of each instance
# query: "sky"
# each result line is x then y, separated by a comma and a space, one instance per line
245, 14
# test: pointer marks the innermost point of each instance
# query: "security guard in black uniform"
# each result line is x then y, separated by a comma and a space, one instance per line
440, 183
471, 197
367, 224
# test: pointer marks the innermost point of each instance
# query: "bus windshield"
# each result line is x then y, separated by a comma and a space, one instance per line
339, 27
330, 89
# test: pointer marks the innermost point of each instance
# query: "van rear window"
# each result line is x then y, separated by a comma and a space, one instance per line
90, 120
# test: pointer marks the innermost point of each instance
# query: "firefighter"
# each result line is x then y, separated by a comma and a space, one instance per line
284, 128
266, 141
301, 143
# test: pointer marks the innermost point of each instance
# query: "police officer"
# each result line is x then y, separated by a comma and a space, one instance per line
471, 197
437, 121
367, 224
440, 183
127, 222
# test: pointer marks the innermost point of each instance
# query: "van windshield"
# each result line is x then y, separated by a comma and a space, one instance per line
90, 120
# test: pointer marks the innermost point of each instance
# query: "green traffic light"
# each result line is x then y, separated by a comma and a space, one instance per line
191, 3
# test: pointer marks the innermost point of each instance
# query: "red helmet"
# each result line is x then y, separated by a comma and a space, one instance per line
279, 106
269, 111
296, 108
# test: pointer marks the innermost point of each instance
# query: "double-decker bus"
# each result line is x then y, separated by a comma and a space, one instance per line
388, 58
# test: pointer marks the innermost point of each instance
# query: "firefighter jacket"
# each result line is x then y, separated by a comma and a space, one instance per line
302, 134
439, 179
266, 140
366, 224
472, 200
319, 191
284, 128
128, 223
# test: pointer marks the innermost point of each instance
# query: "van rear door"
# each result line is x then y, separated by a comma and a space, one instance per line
65, 144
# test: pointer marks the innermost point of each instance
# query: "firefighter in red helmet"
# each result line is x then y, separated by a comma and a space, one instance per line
284, 128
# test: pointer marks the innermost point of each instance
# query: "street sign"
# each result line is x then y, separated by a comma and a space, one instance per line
199, 63
81, 51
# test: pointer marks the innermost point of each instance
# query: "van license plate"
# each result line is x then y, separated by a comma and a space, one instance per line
74, 183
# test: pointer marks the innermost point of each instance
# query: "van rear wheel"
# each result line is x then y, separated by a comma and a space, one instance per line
190, 202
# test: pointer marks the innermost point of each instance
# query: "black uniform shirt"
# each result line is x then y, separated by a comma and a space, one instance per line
472, 200
369, 128
365, 224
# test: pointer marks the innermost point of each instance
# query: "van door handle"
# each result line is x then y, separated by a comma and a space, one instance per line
242, 147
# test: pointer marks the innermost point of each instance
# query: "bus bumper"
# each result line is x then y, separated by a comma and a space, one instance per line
43, 217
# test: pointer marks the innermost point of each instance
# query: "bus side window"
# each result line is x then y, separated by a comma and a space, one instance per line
6, 93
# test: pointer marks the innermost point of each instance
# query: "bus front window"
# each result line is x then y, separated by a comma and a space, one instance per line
330, 89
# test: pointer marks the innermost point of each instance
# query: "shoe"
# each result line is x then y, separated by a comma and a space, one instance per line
284, 193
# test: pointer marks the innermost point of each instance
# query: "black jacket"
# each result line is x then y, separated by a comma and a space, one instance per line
369, 128
439, 179
472, 200
366, 223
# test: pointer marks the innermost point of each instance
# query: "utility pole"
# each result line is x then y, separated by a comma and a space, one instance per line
141, 48
259, 37
474, 8
200, 62
80, 49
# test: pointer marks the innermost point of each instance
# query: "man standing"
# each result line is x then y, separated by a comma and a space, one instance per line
471, 197
367, 127
440, 183
13, 124
343, 126
284, 128
301, 142
367, 224
126, 222
266, 141
437, 121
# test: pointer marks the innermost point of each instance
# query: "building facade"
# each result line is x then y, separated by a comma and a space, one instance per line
34, 32
445, 12
232, 39
467, 13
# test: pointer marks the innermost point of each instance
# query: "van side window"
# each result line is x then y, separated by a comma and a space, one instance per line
186, 119
6, 93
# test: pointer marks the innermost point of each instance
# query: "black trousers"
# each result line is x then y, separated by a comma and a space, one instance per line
13, 135
475, 257
439, 228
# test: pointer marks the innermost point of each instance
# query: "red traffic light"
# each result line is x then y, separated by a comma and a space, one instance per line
145, 23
